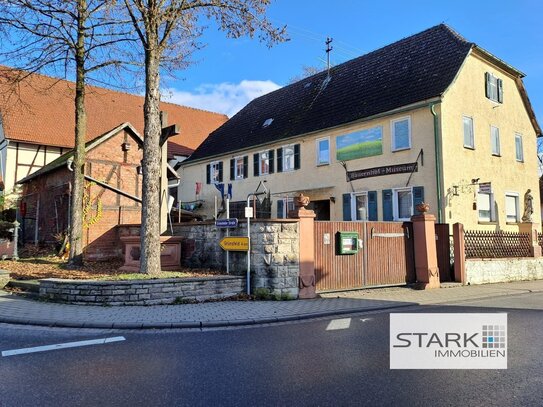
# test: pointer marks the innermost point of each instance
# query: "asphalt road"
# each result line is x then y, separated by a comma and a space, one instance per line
289, 364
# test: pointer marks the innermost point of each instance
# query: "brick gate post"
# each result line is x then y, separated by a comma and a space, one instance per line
531, 229
306, 278
424, 233
459, 254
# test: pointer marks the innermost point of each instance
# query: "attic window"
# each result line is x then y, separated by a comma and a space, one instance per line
267, 123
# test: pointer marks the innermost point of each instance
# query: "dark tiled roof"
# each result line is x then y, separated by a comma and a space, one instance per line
413, 69
179, 150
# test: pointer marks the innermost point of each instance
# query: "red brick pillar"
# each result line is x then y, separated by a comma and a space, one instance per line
424, 233
531, 229
459, 253
306, 279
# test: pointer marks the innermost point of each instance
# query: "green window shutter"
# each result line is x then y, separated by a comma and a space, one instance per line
280, 204
500, 91
245, 166
232, 169
418, 196
388, 214
279, 160
296, 156
256, 165
271, 157
208, 174
220, 171
372, 205
347, 207
487, 85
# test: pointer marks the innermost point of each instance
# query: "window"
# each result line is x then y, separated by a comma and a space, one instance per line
214, 172
239, 167
519, 153
401, 133
469, 141
493, 88
284, 206
495, 140
359, 207
288, 158
403, 200
263, 163
323, 151
485, 203
511, 208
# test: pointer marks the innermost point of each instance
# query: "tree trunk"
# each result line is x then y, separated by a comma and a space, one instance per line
76, 211
150, 214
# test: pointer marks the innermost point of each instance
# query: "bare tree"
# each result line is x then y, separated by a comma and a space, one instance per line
167, 30
79, 37
307, 71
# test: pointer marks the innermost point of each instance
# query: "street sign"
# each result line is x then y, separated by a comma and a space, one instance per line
235, 243
249, 213
227, 223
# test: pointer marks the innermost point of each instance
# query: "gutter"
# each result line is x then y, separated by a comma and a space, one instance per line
437, 145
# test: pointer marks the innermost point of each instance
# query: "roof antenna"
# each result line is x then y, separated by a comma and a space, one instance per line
328, 50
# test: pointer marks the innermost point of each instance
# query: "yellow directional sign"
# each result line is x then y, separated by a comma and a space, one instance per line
235, 243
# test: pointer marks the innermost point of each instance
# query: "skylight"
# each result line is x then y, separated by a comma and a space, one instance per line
267, 123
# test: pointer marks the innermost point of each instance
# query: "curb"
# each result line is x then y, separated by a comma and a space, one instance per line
195, 324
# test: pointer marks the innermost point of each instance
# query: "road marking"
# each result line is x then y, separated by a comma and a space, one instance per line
22, 351
366, 319
336, 324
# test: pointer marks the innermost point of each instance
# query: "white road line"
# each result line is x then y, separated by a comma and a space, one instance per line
336, 324
22, 351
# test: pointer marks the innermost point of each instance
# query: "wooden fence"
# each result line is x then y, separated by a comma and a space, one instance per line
498, 244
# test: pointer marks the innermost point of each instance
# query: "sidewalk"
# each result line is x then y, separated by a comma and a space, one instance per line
19, 310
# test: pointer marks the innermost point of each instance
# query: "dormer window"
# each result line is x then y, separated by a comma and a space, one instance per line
493, 88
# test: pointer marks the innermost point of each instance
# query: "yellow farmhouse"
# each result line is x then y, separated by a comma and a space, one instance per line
430, 118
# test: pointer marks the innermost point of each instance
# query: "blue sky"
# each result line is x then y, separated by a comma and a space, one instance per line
228, 73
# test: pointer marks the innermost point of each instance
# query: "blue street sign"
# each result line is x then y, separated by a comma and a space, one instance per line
227, 223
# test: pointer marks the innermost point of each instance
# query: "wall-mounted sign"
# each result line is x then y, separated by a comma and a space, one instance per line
379, 171
364, 143
485, 188
226, 223
347, 242
235, 243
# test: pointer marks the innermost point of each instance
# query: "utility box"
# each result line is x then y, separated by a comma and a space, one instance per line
347, 242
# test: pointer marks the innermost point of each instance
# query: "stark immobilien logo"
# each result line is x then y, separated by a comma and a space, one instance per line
448, 341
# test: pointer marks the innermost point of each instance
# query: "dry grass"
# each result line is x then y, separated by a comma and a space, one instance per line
38, 267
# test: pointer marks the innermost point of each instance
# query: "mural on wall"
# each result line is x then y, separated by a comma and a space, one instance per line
364, 143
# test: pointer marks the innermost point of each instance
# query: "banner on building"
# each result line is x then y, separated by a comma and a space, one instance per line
379, 171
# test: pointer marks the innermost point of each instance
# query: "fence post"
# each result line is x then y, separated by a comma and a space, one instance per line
15, 255
459, 253
306, 278
531, 229
424, 233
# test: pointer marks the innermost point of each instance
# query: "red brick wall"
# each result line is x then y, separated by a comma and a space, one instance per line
106, 163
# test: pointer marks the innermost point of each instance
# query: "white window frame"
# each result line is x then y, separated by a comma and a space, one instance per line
260, 159
494, 92
518, 136
214, 170
472, 135
492, 205
515, 195
498, 153
238, 176
393, 133
285, 168
353, 205
286, 202
395, 204
318, 144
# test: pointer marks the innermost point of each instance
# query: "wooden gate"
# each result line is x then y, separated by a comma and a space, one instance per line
384, 257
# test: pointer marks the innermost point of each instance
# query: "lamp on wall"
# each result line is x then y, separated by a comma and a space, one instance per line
333, 199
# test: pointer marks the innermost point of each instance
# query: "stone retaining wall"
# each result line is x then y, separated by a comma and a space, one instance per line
275, 248
4, 278
140, 292
503, 270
